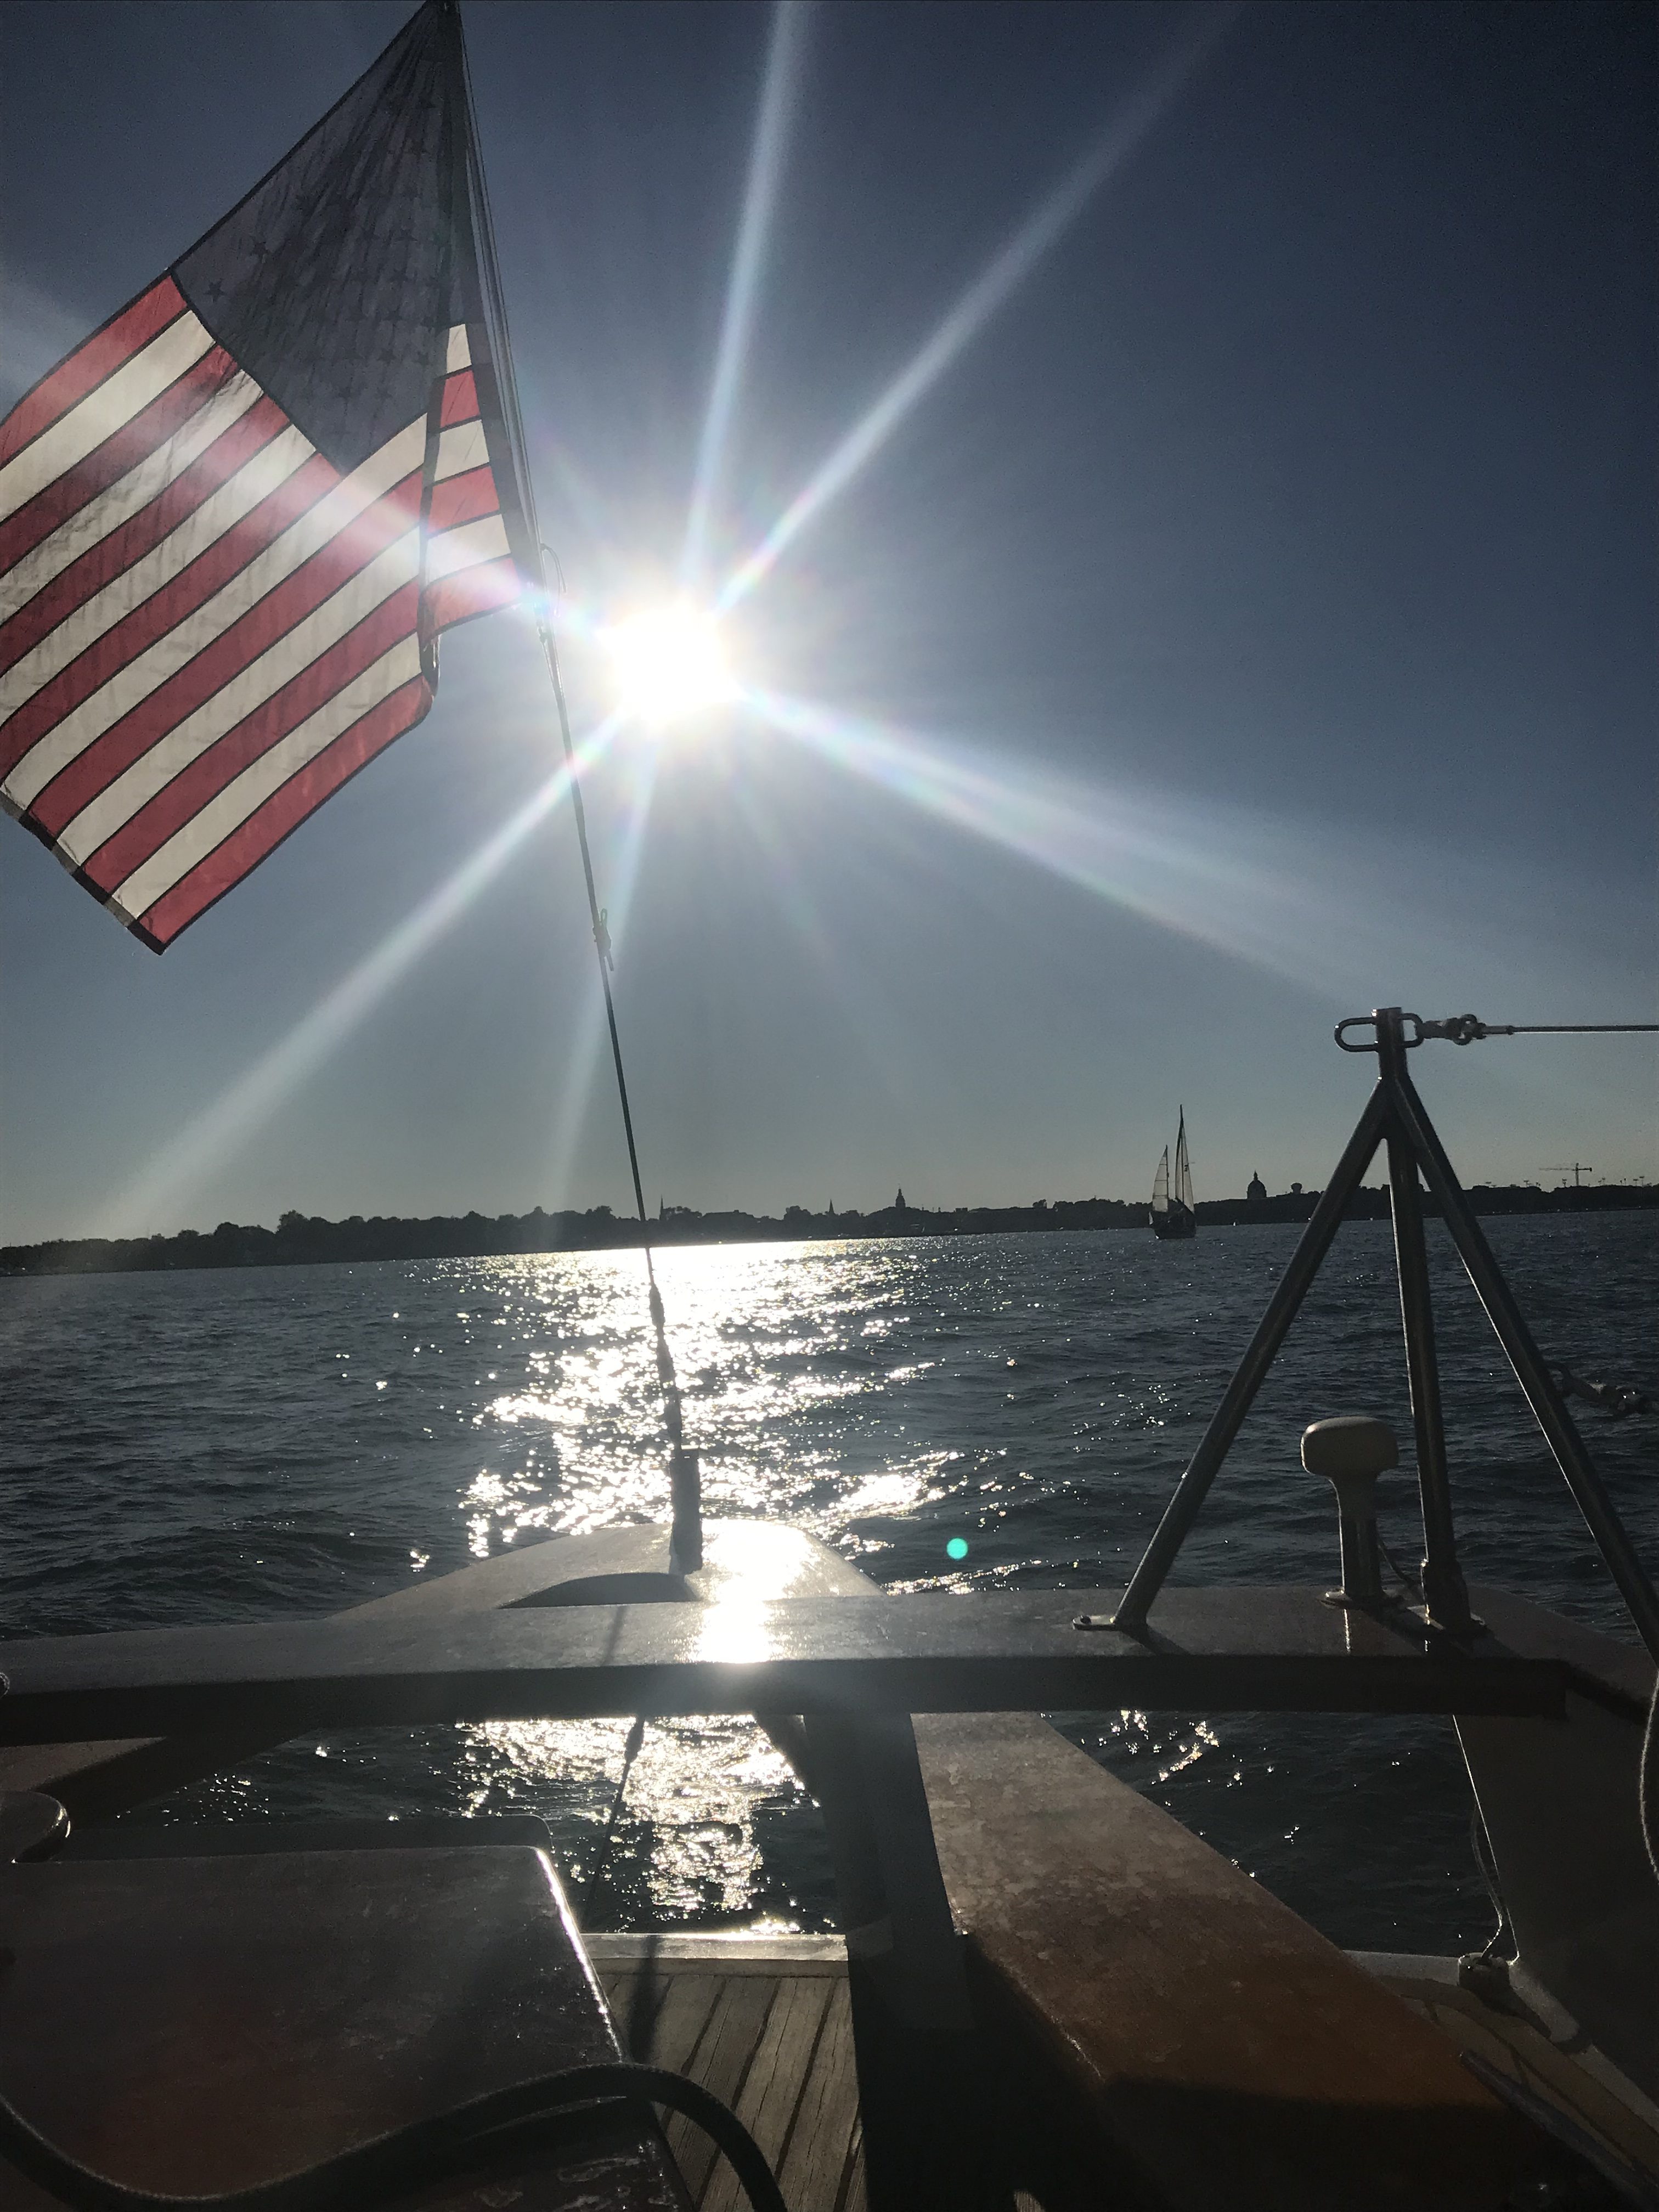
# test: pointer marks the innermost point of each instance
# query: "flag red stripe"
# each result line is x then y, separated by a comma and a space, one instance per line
282, 812
460, 399
463, 499
130, 541
152, 426
470, 592
270, 721
165, 610
349, 551
89, 366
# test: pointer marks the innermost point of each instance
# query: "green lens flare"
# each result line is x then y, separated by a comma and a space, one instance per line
956, 1548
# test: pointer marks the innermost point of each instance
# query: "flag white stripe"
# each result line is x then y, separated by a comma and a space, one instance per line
261, 778
129, 496
270, 467
460, 349
465, 546
460, 448
291, 653
91, 420
332, 515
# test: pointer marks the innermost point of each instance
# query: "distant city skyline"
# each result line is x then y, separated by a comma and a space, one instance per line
667, 1215
300, 1241
1176, 489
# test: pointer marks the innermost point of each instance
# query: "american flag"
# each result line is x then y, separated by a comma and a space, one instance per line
234, 520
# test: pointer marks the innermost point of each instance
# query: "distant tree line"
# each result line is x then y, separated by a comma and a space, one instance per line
301, 1240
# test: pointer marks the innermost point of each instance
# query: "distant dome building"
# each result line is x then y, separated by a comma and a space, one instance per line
1257, 1189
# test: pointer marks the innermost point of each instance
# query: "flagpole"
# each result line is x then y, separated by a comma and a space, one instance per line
684, 1470
684, 1473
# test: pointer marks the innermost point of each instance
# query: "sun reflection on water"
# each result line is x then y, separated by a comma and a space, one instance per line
686, 1846
782, 1349
961, 1413
574, 1438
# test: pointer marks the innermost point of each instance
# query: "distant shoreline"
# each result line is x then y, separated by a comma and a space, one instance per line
299, 1241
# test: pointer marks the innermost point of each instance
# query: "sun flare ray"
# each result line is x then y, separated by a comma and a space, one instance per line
990, 291
780, 92
1303, 900
254, 1099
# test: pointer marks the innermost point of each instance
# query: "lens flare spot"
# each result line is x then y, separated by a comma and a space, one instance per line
669, 664
956, 1548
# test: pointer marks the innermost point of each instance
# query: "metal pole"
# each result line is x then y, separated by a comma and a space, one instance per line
1182, 1509
922, 2099
1530, 1371
1445, 1596
684, 1469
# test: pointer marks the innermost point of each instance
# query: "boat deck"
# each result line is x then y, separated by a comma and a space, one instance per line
766, 2025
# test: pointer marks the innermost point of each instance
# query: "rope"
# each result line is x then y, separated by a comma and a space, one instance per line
1616, 1399
630, 1752
1500, 1944
1648, 1783
1410, 1583
515, 2121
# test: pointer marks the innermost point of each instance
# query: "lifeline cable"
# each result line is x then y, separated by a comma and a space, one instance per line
518, 2118
1469, 1029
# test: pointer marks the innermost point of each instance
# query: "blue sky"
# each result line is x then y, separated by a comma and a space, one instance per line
1215, 596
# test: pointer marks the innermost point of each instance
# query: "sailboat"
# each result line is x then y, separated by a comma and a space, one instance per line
1172, 1194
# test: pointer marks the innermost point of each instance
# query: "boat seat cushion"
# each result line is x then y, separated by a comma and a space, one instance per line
198, 2024
1229, 2058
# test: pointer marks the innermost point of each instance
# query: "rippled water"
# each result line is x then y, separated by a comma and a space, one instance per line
231, 1445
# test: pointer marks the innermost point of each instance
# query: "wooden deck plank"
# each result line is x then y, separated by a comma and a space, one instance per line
820, 2150
777, 2081
855, 2197
679, 2024
636, 2001
715, 1950
721, 2063
770, 2034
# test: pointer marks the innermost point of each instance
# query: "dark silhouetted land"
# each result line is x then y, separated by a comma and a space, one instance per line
301, 1240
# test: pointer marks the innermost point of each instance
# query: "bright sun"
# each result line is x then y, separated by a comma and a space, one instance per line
669, 664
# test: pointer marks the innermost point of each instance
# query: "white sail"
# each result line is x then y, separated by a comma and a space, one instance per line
1161, 1184
1183, 1173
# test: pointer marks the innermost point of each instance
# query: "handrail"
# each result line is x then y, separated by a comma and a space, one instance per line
1226, 1649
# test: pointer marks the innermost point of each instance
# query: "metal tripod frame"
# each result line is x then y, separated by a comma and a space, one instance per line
1396, 1117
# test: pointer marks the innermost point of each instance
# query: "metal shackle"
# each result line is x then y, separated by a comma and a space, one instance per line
1351, 1451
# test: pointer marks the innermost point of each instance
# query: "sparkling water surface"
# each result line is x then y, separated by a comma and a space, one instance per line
245, 1444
